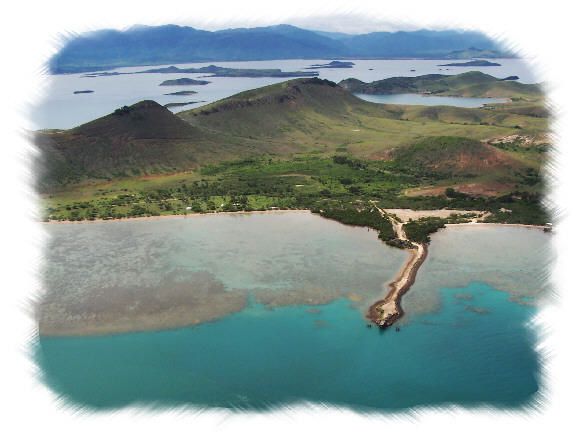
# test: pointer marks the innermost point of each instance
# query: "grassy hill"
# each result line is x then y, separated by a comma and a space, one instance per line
454, 156
281, 120
130, 141
469, 84
305, 143
316, 115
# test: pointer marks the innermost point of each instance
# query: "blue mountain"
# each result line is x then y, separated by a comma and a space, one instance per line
146, 45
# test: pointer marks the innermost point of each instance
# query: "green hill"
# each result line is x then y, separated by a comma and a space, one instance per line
301, 116
273, 111
469, 84
317, 115
455, 156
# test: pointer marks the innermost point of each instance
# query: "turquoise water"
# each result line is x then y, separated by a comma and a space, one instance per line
418, 99
475, 349
134, 274
464, 339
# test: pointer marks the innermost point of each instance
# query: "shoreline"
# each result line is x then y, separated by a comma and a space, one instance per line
174, 216
248, 212
541, 227
384, 312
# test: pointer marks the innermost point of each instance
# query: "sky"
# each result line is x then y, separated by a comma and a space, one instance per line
340, 23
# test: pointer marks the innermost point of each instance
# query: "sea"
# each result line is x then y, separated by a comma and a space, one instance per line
59, 108
467, 337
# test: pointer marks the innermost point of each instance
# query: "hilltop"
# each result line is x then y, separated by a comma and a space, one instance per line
454, 156
121, 143
469, 84
276, 110
132, 141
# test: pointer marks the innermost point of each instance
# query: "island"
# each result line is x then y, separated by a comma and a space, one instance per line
213, 71
104, 74
333, 65
181, 93
472, 63
217, 71
179, 104
183, 82
83, 91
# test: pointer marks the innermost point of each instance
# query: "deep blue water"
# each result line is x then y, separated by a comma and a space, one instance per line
475, 349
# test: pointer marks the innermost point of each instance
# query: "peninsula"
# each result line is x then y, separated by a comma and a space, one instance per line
469, 84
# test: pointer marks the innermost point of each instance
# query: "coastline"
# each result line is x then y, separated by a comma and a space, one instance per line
384, 312
541, 227
174, 216
248, 212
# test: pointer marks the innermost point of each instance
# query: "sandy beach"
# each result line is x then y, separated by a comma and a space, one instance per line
177, 216
406, 214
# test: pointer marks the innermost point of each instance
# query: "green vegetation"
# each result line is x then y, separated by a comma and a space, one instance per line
359, 215
419, 231
304, 182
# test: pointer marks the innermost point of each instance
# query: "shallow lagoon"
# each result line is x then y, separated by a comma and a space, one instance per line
140, 274
472, 346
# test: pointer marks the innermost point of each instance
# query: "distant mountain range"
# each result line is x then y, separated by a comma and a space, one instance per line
144, 45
